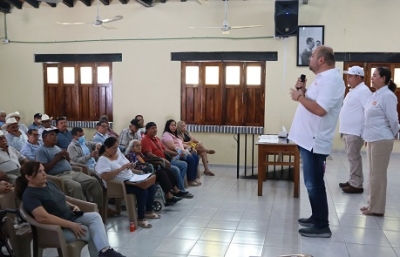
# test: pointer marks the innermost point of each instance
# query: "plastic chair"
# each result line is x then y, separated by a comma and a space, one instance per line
51, 236
116, 189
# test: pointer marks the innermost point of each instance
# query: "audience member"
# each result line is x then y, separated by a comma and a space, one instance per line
15, 137
129, 133
152, 147
141, 130
101, 132
17, 116
10, 159
110, 132
3, 116
56, 163
164, 177
46, 123
112, 164
64, 136
190, 141
37, 122
174, 144
47, 204
32, 145
82, 151
351, 119
380, 128
313, 128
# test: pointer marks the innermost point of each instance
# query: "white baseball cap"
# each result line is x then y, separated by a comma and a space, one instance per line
355, 70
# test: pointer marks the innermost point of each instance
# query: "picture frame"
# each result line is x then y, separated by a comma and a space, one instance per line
308, 38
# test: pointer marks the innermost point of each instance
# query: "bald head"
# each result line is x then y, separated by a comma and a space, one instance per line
322, 59
327, 53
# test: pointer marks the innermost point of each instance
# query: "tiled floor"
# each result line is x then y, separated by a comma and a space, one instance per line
227, 218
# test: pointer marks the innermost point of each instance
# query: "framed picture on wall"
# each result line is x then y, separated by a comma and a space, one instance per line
308, 38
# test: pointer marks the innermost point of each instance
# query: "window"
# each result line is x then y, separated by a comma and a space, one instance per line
79, 91
223, 93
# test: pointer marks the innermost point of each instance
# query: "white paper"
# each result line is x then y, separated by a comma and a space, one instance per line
268, 139
138, 178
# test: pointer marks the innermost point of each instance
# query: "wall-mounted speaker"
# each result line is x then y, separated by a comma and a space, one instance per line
286, 18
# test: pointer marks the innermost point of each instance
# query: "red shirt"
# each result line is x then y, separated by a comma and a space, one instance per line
153, 145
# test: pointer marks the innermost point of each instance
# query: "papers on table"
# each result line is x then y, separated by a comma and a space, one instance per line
138, 178
268, 139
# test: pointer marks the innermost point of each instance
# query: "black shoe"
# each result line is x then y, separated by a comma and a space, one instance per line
353, 190
188, 195
342, 185
316, 232
306, 222
110, 253
173, 199
180, 193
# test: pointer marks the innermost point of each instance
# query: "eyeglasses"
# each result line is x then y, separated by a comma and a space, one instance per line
35, 135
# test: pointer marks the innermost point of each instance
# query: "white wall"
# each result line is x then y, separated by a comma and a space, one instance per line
148, 82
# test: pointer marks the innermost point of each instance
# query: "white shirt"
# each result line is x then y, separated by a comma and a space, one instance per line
10, 161
17, 142
106, 165
381, 119
351, 115
311, 131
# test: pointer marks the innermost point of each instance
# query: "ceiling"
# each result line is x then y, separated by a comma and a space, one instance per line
6, 6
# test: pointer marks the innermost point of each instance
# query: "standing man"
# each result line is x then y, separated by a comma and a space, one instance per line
313, 129
352, 125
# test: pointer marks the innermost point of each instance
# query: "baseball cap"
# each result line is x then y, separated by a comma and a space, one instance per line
37, 115
48, 130
355, 70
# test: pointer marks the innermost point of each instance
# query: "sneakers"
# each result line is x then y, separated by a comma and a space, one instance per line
342, 185
353, 190
110, 253
316, 232
306, 222
173, 199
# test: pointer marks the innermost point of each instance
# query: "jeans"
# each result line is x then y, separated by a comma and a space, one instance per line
313, 171
192, 161
179, 169
96, 235
144, 198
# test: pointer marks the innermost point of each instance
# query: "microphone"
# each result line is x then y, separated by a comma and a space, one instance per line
302, 79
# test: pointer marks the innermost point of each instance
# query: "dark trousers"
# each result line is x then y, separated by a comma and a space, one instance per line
144, 198
166, 179
192, 161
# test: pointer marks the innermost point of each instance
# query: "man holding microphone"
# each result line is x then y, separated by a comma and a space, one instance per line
312, 129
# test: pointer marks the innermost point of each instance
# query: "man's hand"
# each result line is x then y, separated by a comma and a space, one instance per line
167, 163
62, 155
78, 230
5, 187
296, 94
301, 86
95, 153
3, 176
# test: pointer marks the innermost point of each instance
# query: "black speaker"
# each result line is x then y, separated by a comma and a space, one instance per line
286, 18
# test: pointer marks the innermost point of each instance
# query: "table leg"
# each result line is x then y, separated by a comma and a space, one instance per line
261, 169
296, 174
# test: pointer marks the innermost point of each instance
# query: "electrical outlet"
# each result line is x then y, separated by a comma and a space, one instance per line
6, 41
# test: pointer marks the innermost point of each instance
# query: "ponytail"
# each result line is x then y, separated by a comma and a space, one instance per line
20, 185
102, 150
30, 168
392, 86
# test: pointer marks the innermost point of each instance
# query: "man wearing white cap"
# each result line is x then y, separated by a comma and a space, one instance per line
46, 123
10, 159
17, 116
15, 137
352, 125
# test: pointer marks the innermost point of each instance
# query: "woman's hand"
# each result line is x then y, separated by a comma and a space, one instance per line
127, 166
5, 187
75, 208
78, 230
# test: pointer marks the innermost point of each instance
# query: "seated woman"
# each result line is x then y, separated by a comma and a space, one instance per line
48, 205
164, 177
191, 141
112, 164
171, 141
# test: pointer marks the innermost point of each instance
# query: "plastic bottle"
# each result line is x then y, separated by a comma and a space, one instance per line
132, 227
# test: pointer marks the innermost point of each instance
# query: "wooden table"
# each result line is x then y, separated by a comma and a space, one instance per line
281, 147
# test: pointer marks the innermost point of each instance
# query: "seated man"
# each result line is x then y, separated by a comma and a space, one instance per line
10, 159
32, 145
101, 133
152, 147
64, 136
15, 137
16, 115
46, 123
3, 116
82, 151
110, 132
128, 134
56, 163
37, 122
141, 130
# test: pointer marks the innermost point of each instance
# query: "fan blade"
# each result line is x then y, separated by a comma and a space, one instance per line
107, 27
245, 27
73, 23
116, 18
204, 27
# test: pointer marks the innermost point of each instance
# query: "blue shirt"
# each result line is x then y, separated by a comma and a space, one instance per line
64, 139
100, 138
29, 150
34, 126
46, 154
16, 142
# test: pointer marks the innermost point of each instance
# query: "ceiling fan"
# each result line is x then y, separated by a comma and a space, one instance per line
226, 29
98, 22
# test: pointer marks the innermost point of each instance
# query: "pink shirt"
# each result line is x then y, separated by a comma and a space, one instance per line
170, 137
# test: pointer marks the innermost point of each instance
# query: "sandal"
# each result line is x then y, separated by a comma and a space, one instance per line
364, 208
211, 151
193, 183
198, 181
144, 224
209, 173
369, 213
152, 215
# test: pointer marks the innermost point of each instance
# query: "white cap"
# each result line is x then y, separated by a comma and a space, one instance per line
13, 114
46, 117
355, 70
9, 122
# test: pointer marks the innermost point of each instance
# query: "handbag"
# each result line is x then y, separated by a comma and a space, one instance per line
167, 155
145, 183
